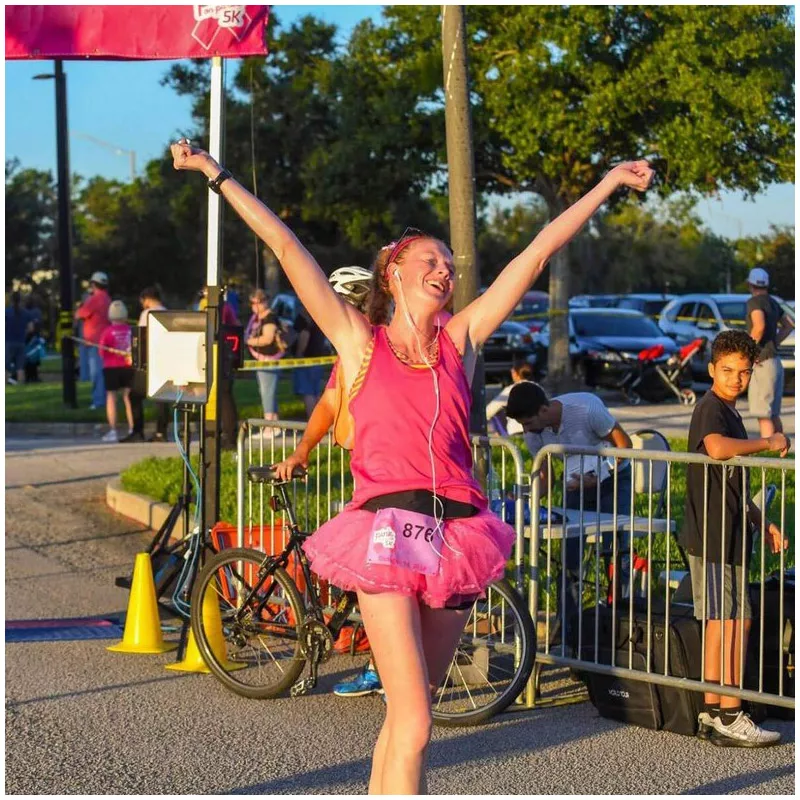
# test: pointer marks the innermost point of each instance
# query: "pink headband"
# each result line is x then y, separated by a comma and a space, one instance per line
400, 246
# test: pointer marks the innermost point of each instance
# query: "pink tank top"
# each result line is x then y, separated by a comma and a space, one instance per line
393, 411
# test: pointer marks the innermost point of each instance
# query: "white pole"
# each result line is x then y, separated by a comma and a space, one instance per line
216, 123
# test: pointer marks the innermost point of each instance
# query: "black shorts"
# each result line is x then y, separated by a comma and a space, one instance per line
118, 378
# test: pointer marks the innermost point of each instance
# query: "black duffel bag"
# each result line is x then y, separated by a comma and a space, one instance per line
637, 702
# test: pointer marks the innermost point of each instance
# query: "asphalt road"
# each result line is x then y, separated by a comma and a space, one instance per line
81, 720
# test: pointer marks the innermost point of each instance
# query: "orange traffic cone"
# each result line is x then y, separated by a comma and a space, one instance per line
142, 624
212, 624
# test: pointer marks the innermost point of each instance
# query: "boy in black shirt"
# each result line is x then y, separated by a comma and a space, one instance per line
716, 504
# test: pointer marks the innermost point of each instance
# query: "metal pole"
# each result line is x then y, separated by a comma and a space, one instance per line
461, 176
211, 436
132, 154
64, 242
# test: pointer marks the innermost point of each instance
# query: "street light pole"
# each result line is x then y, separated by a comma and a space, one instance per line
64, 241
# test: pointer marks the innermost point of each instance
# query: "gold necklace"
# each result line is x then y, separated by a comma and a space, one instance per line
432, 350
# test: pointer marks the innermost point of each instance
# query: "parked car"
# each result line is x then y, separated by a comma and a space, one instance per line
649, 304
604, 344
692, 315
593, 301
512, 341
532, 310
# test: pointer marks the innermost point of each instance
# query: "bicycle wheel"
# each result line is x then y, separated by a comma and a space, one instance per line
492, 663
258, 654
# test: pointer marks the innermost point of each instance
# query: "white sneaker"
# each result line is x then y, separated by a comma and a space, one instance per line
111, 436
742, 732
12, 381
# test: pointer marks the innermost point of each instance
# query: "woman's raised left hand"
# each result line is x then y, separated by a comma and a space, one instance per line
634, 174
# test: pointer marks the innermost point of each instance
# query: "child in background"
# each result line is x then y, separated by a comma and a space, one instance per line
35, 350
115, 350
716, 430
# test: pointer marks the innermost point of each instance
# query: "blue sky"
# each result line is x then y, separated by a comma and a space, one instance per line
123, 104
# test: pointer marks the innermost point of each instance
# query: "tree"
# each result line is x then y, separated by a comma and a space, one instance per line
30, 222
562, 92
775, 253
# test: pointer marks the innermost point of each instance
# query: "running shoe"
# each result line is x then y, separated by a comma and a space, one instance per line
742, 732
111, 436
367, 682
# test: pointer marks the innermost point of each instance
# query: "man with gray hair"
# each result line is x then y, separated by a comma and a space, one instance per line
768, 325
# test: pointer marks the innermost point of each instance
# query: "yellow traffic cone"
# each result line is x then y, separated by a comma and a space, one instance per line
212, 624
142, 624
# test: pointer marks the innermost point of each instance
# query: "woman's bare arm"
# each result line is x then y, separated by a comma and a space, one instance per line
473, 325
340, 322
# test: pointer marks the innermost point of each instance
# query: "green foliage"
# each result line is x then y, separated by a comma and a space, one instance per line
774, 252
30, 222
345, 141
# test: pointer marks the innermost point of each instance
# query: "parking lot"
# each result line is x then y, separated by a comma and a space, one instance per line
82, 720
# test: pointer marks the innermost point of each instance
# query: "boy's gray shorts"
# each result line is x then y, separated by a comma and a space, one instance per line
721, 586
766, 389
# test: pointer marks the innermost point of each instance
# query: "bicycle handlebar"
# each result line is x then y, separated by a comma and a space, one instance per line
266, 474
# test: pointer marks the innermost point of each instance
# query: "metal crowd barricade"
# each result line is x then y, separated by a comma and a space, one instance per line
329, 484
588, 526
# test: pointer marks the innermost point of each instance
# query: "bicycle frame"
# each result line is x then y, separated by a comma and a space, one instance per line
346, 603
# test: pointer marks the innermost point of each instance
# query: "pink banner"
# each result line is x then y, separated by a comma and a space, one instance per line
135, 32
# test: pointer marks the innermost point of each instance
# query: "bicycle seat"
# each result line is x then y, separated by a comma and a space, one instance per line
266, 474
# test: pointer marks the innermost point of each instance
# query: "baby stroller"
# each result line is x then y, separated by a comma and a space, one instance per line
656, 382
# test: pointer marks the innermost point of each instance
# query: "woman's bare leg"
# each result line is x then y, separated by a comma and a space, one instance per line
392, 623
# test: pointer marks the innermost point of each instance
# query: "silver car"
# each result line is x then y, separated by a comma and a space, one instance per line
692, 315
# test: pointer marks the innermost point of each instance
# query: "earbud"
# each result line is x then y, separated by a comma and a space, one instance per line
396, 274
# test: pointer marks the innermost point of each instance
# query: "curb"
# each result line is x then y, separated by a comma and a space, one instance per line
142, 509
67, 429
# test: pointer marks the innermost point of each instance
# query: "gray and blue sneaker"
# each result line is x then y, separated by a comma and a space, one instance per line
366, 682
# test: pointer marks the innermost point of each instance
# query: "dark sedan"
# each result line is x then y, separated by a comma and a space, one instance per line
511, 342
605, 343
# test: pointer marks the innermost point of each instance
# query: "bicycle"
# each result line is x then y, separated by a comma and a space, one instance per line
271, 631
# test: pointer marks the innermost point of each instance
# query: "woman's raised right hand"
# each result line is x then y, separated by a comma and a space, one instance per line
284, 469
184, 156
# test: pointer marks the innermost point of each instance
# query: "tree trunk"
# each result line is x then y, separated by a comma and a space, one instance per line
559, 370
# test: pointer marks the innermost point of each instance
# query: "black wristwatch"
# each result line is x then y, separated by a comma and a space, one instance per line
217, 182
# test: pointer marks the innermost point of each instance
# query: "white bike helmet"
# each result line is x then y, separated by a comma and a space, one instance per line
352, 283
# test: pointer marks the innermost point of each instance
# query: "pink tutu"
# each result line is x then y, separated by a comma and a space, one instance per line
481, 545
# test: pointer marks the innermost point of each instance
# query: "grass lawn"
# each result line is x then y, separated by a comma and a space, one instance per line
42, 402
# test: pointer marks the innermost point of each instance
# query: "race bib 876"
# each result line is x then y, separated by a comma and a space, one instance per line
405, 539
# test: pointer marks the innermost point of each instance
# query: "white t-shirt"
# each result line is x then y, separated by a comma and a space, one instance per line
497, 404
585, 421
146, 311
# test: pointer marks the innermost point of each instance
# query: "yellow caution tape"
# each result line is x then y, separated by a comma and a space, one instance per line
100, 346
287, 363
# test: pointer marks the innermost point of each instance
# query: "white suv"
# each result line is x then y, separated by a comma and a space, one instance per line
692, 315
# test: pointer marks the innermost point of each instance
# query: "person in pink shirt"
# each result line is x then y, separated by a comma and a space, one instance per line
409, 388
94, 313
115, 350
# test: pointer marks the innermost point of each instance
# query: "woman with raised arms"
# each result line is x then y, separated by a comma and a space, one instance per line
417, 542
